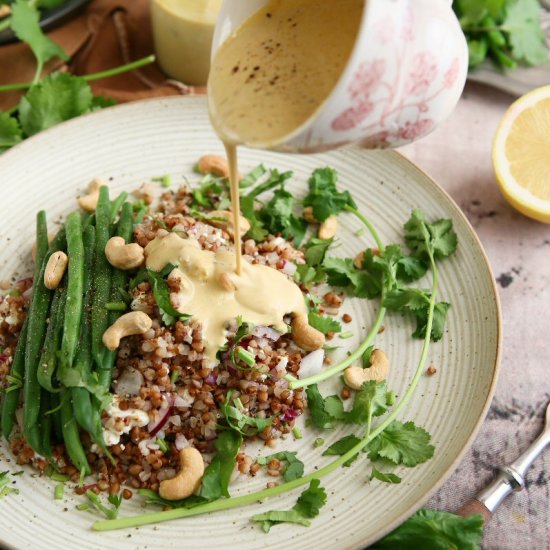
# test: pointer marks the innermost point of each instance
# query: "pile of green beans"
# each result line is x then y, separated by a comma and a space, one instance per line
64, 368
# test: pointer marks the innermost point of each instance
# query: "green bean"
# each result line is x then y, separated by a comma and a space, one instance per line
56, 416
102, 277
11, 398
84, 412
71, 437
37, 315
117, 204
48, 359
45, 424
75, 289
119, 281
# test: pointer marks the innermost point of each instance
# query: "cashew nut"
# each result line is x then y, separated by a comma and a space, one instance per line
308, 215
213, 164
227, 222
128, 324
305, 336
225, 282
356, 376
55, 269
188, 480
89, 202
5, 10
328, 228
122, 255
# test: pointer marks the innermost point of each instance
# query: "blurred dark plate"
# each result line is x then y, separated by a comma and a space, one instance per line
50, 18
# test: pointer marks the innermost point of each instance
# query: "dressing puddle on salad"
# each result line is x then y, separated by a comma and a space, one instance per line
266, 81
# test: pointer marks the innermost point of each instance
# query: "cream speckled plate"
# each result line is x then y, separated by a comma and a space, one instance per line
138, 141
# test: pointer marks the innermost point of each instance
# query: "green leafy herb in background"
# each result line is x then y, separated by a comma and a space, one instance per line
507, 31
56, 97
434, 530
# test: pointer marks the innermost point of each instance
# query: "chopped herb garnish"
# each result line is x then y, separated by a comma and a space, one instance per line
294, 467
59, 491
386, 478
163, 446
161, 293
308, 506
234, 413
323, 323
346, 335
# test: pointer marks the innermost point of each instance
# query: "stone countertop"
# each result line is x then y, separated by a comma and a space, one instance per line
458, 156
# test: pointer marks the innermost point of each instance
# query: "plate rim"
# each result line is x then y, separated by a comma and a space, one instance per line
402, 160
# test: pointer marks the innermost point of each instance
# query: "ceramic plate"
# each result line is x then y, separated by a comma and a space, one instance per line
135, 142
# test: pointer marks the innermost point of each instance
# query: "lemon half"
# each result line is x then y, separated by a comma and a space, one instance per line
521, 154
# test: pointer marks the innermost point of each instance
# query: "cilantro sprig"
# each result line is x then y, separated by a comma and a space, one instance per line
507, 31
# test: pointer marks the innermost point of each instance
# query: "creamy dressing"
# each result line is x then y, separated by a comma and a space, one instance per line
260, 294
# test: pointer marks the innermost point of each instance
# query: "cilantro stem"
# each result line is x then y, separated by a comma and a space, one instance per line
368, 224
89, 77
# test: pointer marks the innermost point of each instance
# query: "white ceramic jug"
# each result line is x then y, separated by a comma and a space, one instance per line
404, 76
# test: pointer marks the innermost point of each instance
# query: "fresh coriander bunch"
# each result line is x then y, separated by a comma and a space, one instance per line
55, 98
509, 32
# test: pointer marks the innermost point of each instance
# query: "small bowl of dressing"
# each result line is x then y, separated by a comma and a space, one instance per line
183, 32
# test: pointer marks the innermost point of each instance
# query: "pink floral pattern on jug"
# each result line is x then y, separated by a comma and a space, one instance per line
404, 77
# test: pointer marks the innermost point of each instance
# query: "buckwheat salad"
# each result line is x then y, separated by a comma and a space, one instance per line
135, 361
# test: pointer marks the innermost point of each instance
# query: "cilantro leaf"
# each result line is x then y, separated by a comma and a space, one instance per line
311, 500
369, 401
525, 34
5, 489
438, 322
342, 272
429, 239
25, 25
417, 301
405, 444
10, 132
161, 293
323, 411
294, 468
217, 475
257, 230
323, 323
305, 274
386, 478
58, 97
233, 411
316, 250
341, 447
277, 217
434, 530
253, 176
324, 197
308, 506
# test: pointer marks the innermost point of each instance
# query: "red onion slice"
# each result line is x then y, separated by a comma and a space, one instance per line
164, 414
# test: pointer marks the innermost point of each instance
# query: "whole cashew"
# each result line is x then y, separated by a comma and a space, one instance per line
328, 228
89, 202
227, 222
55, 269
355, 376
122, 255
128, 324
305, 336
213, 164
188, 479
